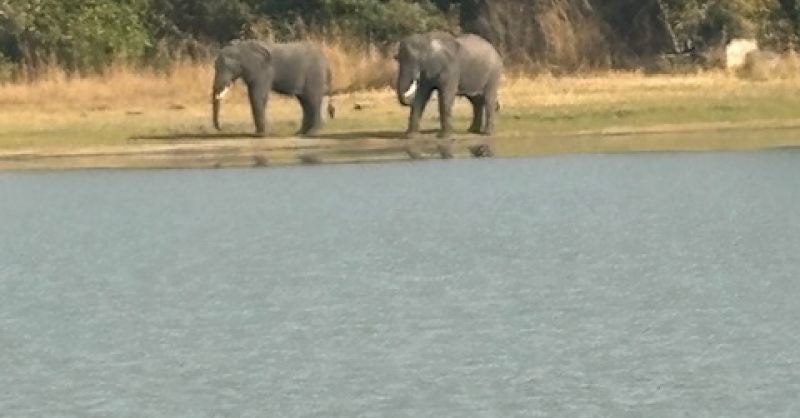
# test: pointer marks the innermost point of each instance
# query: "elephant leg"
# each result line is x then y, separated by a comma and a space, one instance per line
447, 95
316, 116
492, 105
478, 104
304, 123
417, 107
312, 118
258, 106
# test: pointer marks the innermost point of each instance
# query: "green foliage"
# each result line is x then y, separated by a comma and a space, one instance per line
209, 20
81, 35
381, 21
87, 35
7, 68
374, 20
720, 20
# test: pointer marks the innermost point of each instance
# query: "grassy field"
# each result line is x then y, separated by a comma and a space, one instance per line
129, 112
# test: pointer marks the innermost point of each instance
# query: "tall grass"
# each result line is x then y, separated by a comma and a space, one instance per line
119, 86
360, 67
356, 66
544, 35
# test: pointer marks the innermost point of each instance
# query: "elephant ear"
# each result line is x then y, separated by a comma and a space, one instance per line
261, 52
440, 53
228, 62
253, 57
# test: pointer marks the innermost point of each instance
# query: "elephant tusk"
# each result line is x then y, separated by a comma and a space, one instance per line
411, 90
223, 93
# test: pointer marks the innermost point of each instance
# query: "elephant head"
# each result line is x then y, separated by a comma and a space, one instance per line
248, 60
422, 56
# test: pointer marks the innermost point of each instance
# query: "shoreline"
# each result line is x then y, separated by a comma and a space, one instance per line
240, 151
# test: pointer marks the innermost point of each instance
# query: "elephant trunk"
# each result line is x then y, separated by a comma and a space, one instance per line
216, 98
406, 90
215, 113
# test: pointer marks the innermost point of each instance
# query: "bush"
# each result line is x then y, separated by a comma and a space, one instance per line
370, 20
717, 22
215, 21
78, 35
83, 36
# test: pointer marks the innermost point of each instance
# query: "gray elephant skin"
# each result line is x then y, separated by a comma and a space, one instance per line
466, 65
296, 69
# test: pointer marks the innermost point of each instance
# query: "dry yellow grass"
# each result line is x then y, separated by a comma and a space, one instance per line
119, 87
186, 86
359, 67
365, 77
634, 87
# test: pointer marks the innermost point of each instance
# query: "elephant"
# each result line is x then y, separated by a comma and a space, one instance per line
466, 65
297, 69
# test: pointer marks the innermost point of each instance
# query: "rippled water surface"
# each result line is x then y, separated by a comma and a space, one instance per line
651, 285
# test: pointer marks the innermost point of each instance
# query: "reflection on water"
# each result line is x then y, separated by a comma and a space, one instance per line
581, 286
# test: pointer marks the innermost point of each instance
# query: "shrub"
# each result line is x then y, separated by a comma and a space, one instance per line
374, 21
78, 35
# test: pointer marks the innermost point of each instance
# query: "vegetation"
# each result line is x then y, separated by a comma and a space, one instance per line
88, 36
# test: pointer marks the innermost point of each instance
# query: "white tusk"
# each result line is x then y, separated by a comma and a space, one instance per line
223, 93
411, 90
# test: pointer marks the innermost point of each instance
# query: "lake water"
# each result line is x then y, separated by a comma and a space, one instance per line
649, 285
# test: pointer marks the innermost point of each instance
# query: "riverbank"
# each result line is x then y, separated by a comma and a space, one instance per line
144, 121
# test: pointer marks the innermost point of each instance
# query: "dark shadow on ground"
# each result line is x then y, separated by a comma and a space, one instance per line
356, 135
185, 136
340, 135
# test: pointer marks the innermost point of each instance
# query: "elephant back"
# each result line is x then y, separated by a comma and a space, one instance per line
476, 48
298, 67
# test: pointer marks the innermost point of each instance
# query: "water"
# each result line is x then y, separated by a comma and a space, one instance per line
581, 286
